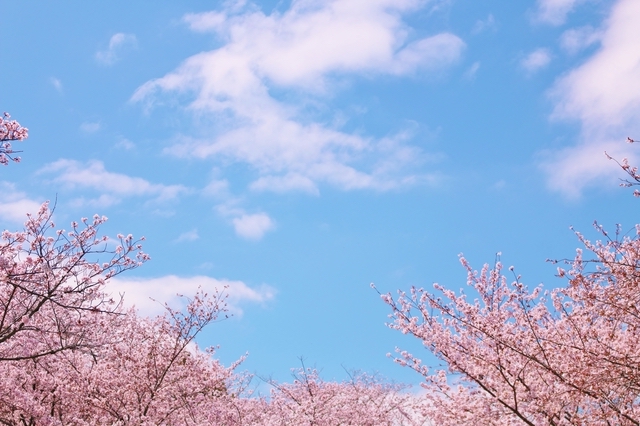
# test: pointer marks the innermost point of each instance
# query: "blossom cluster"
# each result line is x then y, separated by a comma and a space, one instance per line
513, 356
520, 356
10, 130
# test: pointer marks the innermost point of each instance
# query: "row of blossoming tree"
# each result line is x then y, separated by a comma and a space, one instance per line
71, 355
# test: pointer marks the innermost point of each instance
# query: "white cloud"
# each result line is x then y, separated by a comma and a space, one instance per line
289, 182
113, 186
555, 12
470, 73
482, 25
205, 22
89, 127
536, 60
305, 49
126, 144
253, 226
205, 265
56, 83
102, 201
431, 52
572, 168
308, 41
139, 292
217, 187
15, 204
280, 148
499, 185
603, 95
188, 236
577, 39
117, 44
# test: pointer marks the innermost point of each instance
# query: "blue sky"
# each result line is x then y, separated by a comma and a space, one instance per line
298, 151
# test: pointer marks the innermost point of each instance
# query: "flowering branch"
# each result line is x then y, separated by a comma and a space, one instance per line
630, 170
51, 282
10, 130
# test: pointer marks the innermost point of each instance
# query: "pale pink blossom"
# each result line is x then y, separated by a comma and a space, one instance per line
10, 130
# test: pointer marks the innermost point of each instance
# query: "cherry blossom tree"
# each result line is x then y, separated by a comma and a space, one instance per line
513, 355
70, 354
161, 377
363, 401
145, 371
519, 356
52, 283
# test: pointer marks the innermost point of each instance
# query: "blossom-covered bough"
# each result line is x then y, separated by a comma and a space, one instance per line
519, 356
363, 400
52, 283
10, 130
632, 171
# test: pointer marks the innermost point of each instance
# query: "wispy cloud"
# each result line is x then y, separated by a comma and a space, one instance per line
286, 183
306, 50
139, 292
536, 60
92, 175
577, 39
216, 188
56, 83
15, 204
126, 144
303, 45
118, 43
90, 127
470, 73
554, 12
603, 95
252, 226
482, 25
191, 235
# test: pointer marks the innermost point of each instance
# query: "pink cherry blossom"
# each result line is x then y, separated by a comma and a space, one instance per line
55, 280
515, 355
518, 356
10, 130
